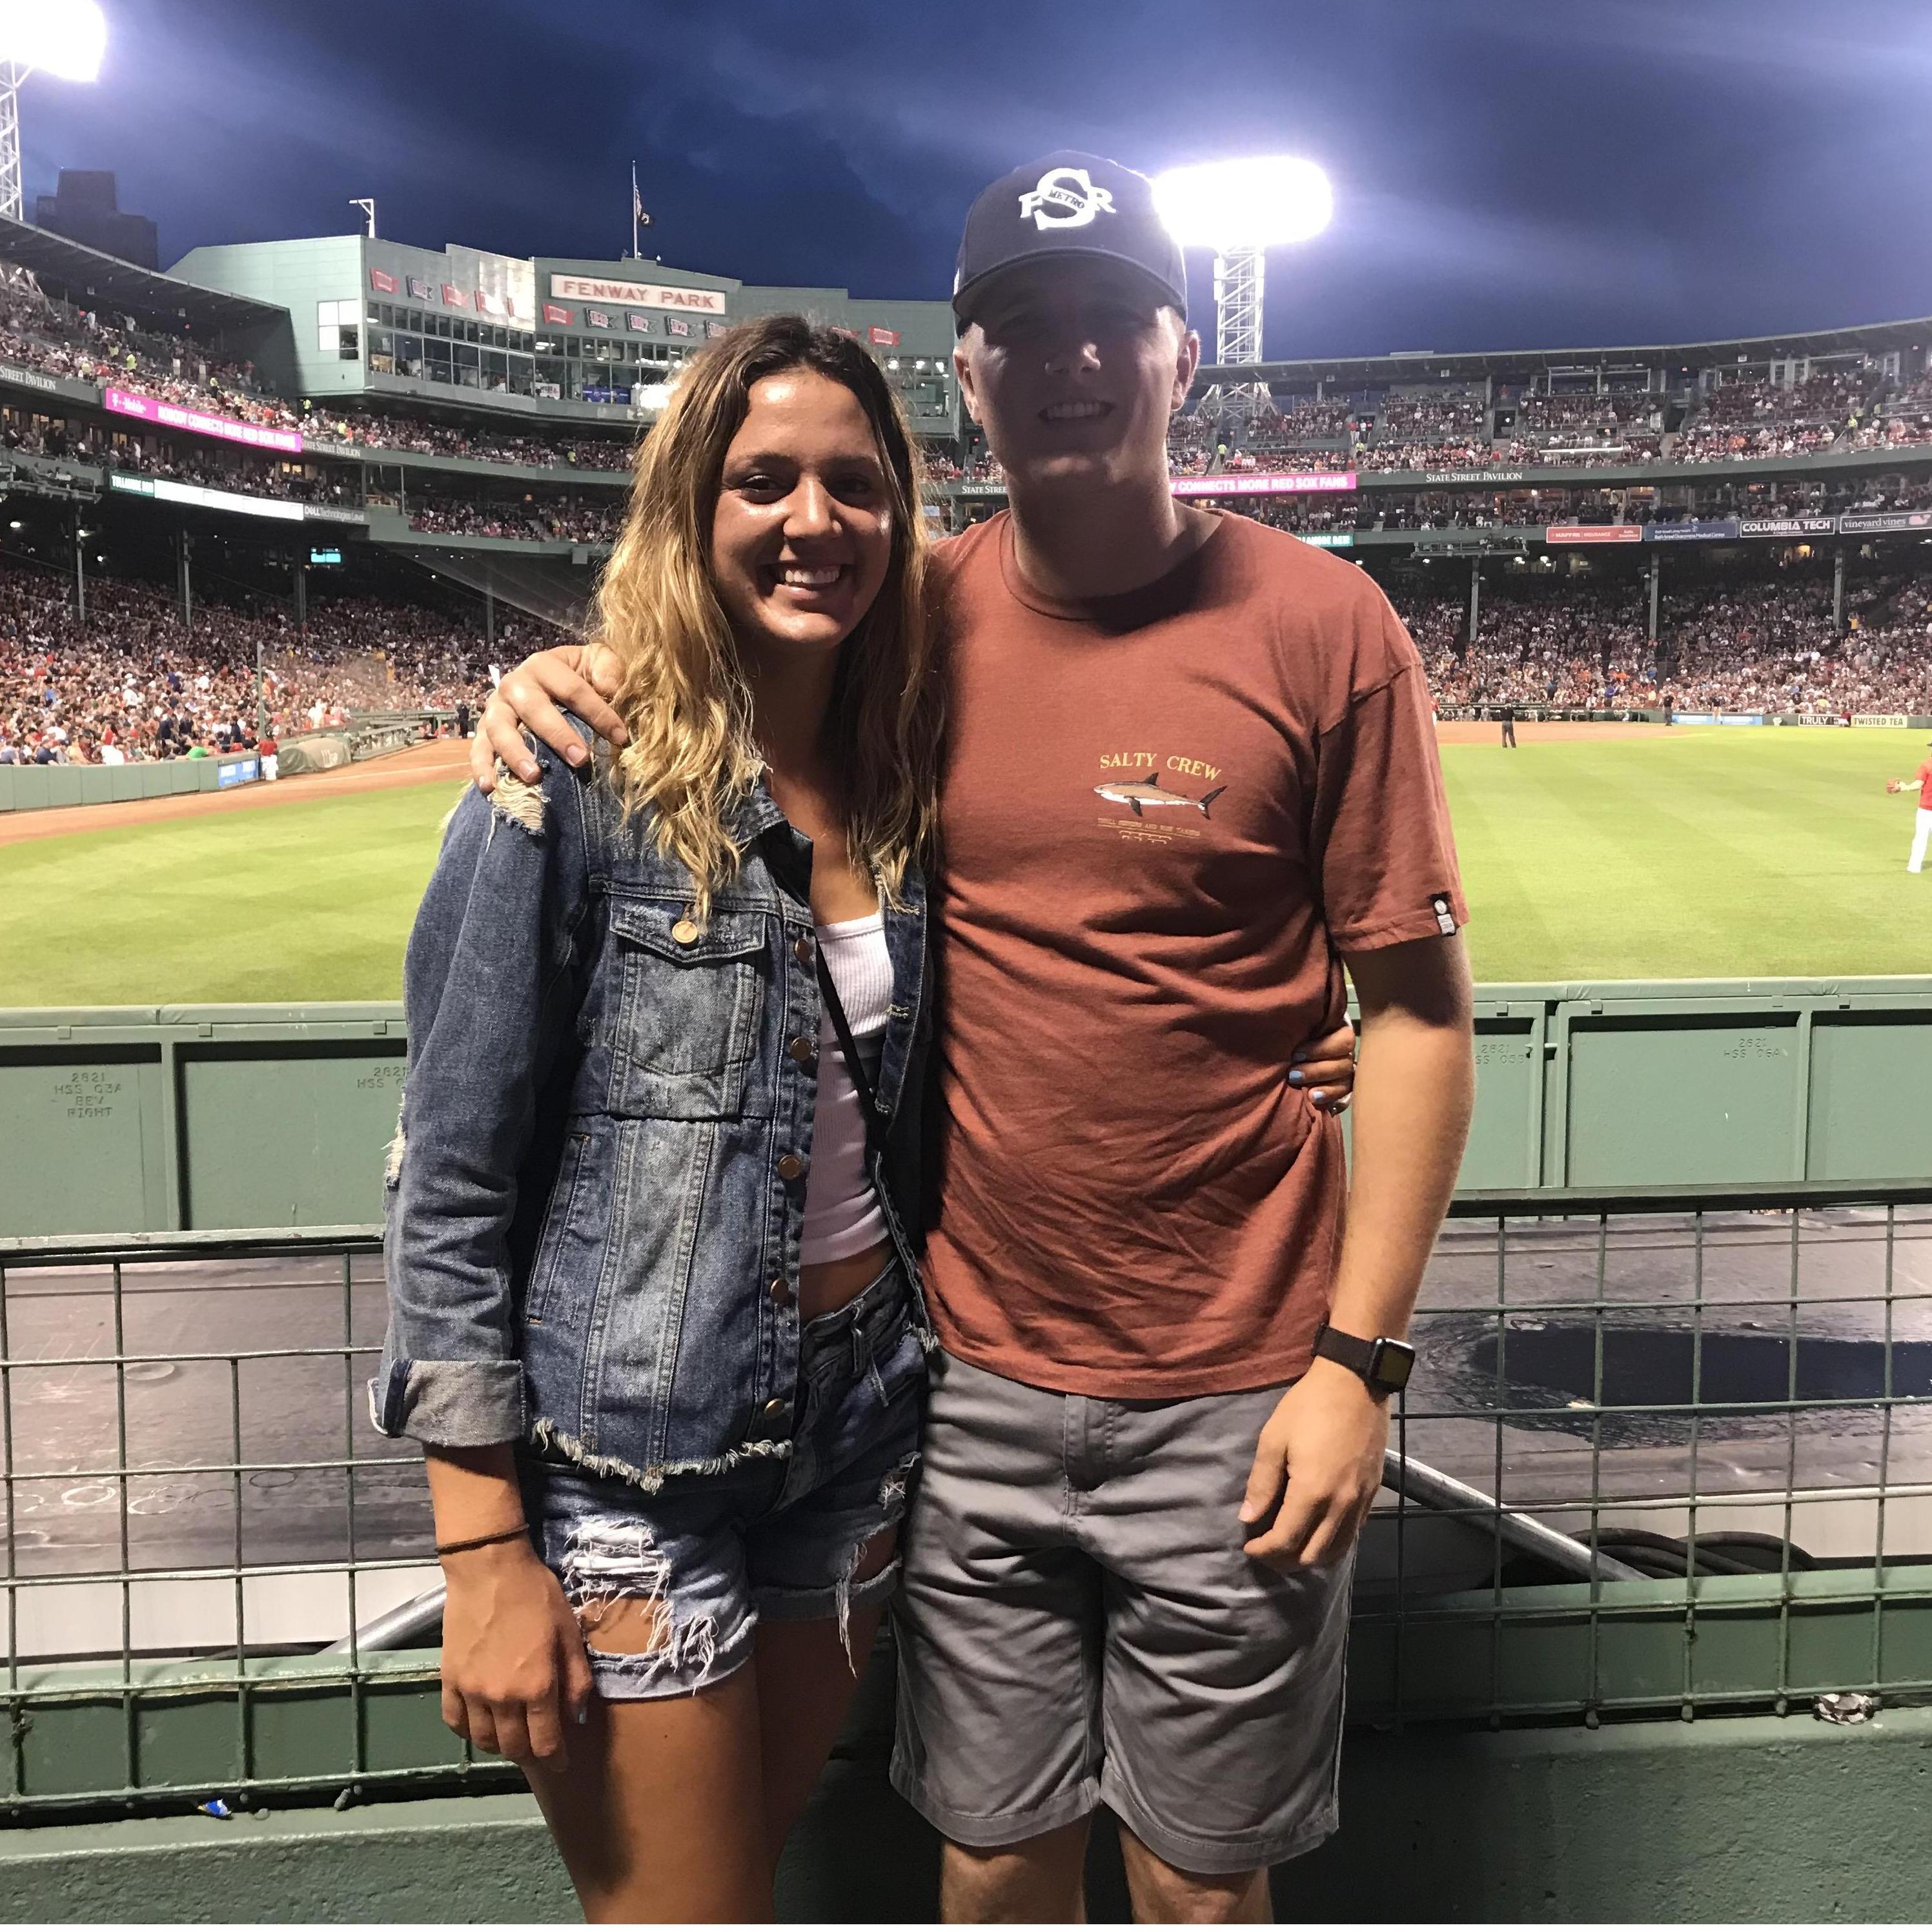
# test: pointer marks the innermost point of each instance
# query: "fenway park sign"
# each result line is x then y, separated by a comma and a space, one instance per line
636, 294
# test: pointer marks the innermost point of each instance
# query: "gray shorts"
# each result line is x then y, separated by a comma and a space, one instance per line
1077, 1626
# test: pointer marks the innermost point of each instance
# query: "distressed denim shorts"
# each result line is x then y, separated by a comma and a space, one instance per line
774, 1537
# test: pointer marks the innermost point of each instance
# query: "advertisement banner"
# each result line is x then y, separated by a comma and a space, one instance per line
638, 325
1593, 533
1708, 529
1695, 718
1328, 539
418, 289
382, 284
198, 422
606, 395
979, 489
1737, 718
637, 295
1894, 719
1472, 476
1237, 485
453, 296
1787, 527
597, 318
555, 312
551, 392
237, 771
1870, 523
882, 338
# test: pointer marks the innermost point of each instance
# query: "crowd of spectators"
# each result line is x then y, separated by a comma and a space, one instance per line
1757, 645
390, 431
60, 340
557, 521
133, 685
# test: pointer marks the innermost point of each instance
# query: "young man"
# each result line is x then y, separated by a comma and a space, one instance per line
1922, 825
1192, 774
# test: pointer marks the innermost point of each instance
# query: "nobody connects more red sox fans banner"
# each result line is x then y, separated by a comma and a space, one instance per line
1239, 484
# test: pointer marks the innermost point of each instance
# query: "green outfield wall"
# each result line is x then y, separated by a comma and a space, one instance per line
146, 1119
41, 787
1752, 1819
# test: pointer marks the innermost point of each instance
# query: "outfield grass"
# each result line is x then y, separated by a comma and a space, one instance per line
1696, 853
290, 903
1709, 852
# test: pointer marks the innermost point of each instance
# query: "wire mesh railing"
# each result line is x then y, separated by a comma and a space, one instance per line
1666, 1451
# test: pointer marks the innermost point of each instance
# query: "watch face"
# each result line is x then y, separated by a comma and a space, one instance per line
1392, 1362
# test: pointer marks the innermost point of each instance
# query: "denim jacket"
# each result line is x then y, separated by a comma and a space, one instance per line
596, 1193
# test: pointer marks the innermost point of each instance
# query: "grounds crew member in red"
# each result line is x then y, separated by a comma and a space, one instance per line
1922, 827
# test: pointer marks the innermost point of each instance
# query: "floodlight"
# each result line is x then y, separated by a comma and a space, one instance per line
1240, 209
1262, 202
65, 38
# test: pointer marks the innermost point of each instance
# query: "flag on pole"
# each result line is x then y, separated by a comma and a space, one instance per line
639, 219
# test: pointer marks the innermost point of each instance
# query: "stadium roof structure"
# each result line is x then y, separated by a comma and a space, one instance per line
141, 293
1418, 364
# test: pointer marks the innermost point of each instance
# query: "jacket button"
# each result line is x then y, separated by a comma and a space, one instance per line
780, 1290
789, 1167
776, 1414
684, 933
802, 950
801, 1049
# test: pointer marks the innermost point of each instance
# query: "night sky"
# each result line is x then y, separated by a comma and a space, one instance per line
1507, 173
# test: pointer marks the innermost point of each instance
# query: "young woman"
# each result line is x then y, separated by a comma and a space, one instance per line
654, 1311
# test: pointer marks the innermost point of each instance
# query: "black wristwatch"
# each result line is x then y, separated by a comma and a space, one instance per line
1385, 1363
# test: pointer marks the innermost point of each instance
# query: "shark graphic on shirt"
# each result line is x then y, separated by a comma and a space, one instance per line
1140, 793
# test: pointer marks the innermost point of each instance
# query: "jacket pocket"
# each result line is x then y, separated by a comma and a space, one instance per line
690, 1011
558, 1218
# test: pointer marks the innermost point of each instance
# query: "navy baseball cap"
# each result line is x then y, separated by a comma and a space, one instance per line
1066, 203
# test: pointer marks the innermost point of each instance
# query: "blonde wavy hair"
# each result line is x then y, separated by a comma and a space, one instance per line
683, 693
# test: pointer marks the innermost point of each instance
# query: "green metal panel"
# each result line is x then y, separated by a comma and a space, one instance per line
287, 1140
1656, 1097
1504, 1136
1748, 1820
279, 1115
1870, 1076
84, 1137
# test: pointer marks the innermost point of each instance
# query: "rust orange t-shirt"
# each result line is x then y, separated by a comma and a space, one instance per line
1163, 817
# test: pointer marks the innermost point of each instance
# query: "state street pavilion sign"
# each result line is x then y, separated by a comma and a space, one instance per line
636, 294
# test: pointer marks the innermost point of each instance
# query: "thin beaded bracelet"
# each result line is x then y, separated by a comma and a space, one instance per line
482, 1542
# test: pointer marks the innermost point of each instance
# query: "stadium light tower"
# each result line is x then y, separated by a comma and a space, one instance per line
65, 38
1241, 209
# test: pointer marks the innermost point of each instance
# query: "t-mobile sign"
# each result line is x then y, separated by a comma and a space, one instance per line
1236, 483
171, 416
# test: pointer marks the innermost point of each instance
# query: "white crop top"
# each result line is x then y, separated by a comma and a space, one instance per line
841, 1211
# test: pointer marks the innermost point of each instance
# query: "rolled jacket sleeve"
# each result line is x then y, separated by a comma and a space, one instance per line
491, 983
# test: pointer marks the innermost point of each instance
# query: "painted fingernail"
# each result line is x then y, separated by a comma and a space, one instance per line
1317, 1095
1296, 1078
1300, 1053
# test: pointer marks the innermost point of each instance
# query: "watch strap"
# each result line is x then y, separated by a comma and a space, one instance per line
1365, 1357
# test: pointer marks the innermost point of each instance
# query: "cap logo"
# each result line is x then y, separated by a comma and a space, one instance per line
1065, 198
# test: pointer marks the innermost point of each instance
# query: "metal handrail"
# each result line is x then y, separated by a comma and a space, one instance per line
408, 1623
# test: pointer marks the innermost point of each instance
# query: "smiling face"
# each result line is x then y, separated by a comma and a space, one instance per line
802, 537
1074, 366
